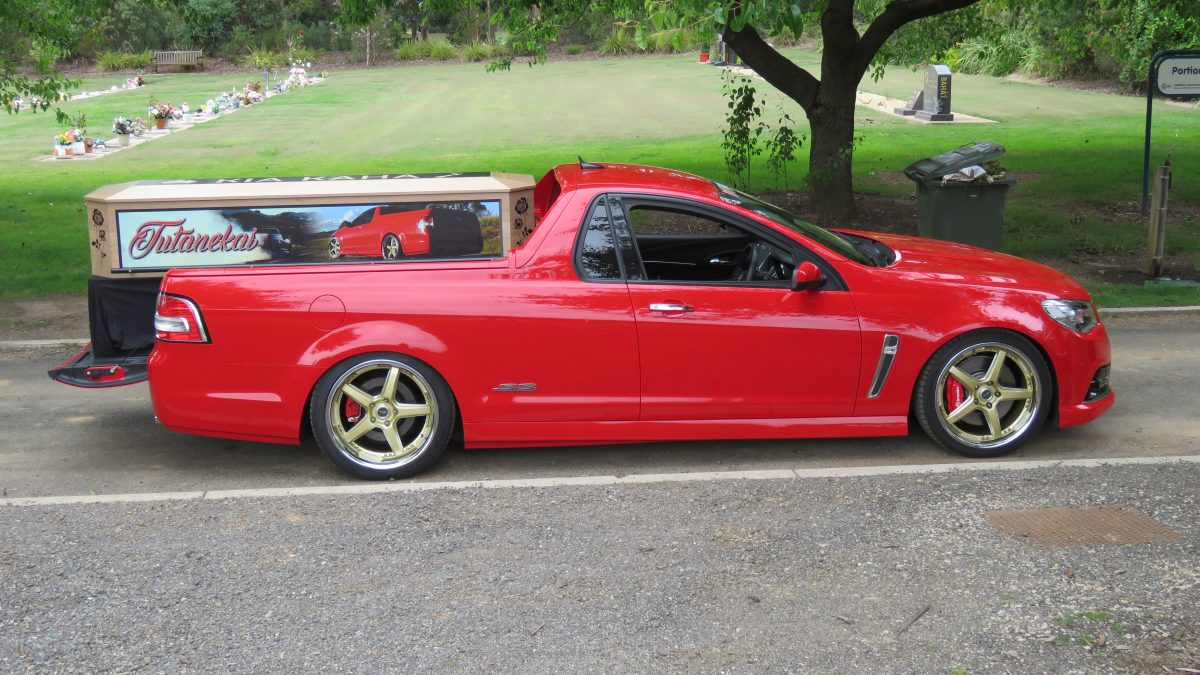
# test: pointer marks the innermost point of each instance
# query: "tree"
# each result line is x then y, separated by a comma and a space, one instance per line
42, 31
853, 32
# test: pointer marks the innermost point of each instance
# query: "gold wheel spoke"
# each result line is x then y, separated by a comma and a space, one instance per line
355, 432
1014, 394
993, 421
993, 371
360, 397
393, 439
389, 385
412, 410
961, 411
965, 379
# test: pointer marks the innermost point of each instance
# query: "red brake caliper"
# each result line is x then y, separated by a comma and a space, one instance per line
353, 411
956, 393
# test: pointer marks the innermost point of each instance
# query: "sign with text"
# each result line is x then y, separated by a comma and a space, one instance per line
1179, 76
162, 239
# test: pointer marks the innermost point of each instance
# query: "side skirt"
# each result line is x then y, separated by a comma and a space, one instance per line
546, 434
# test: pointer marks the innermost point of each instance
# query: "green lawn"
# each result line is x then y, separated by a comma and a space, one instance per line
1073, 153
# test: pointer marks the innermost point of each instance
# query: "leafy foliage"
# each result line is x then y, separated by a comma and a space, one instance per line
742, 127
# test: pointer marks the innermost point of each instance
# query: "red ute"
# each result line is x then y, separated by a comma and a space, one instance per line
390, 232
646, 305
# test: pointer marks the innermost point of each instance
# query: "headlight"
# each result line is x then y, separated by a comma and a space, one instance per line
1077, 315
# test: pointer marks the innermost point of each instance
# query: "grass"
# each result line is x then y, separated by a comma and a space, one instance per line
1073, 153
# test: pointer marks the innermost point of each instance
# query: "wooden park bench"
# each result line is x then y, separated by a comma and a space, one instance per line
182, 59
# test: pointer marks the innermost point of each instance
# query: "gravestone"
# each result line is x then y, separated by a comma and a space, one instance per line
915, 103
936, 106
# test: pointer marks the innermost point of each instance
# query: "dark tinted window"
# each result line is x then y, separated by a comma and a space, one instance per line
364, 217
625, 243
597, 250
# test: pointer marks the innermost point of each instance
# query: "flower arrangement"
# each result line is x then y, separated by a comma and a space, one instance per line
69, 137
139, 127
122, 126
160, 111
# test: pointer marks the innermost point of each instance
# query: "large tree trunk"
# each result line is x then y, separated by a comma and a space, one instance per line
830, 155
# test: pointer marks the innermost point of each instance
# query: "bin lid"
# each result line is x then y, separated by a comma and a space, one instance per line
931, 169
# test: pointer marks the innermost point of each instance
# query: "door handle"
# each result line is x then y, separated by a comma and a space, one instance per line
669, 307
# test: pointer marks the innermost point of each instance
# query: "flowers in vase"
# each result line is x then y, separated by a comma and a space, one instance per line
160, 111
69, 137
122, 126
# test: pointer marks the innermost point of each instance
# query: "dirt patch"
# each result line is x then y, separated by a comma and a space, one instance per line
46, 318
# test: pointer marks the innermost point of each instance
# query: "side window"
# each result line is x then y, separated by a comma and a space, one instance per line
597, 253
683, 245
364, 217
650, 220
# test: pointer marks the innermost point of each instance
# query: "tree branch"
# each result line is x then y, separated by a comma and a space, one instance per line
795, 82
896, 14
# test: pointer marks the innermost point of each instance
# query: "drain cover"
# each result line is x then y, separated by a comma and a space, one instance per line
1114, 524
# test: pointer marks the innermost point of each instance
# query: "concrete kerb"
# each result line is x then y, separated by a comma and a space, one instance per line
576, 481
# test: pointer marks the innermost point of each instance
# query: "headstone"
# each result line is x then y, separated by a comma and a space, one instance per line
915, 103
936, 106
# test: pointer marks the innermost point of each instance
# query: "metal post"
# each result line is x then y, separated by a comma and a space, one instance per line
1157, 234
1149, 114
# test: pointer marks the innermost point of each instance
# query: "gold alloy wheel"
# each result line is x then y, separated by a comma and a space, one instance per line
987, 395
382, 414
391, 247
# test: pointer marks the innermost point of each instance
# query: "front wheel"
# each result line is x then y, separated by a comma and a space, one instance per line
380, 416
335, 248
984, 394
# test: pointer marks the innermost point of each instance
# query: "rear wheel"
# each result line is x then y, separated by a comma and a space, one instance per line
984, 394
382, 415
391, 247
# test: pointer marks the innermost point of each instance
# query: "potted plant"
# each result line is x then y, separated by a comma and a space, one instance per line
160, 113
123, 128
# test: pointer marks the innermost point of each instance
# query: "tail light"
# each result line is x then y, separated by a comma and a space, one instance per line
424, 224
177, 319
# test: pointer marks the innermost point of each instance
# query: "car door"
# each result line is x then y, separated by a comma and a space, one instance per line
717, 342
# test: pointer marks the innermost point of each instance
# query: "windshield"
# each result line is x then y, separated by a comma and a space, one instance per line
837, 242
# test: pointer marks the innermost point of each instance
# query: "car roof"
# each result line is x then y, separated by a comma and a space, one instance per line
632, 176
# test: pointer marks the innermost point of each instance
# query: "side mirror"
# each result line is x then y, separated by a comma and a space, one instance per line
807, 277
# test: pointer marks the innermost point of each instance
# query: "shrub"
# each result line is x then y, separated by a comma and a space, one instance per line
573, 50
139, 60
619, 43
261, 58
303, 54
409, 50
110, 60
477, 51
440, 50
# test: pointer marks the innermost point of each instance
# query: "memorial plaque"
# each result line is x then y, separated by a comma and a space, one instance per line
936, 106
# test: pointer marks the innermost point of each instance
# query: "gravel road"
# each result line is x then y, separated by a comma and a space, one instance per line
786, 575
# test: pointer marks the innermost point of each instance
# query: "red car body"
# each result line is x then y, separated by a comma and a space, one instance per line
367, 234
623, 360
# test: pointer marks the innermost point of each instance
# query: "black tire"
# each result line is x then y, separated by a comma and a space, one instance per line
390, 249
335, 248
974, 405
371, 434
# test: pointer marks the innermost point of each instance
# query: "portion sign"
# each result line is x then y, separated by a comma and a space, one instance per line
1179, 76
